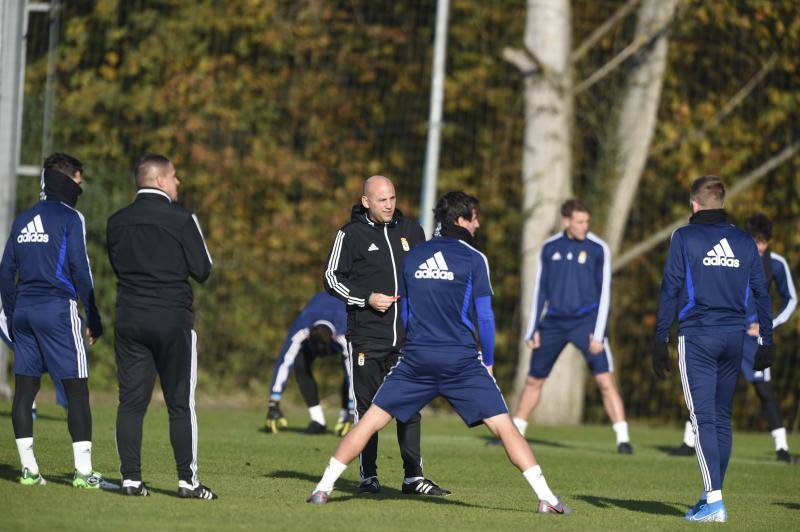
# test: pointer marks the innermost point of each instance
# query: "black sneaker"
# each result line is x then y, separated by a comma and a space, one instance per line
782, 455
624, 448
369, 485
200, 492
315, 428
424, 486
683, 450
140, 490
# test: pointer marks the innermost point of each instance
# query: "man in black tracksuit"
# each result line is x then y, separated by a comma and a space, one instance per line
154, 247
362, 270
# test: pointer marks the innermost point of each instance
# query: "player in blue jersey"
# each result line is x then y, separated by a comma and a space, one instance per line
446, 299
44, 272
317, 332
776, 271
570, 303
709, 268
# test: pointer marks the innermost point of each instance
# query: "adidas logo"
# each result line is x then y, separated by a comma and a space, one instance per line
372, 247
434, 268
721, 255
33, 232
556, 256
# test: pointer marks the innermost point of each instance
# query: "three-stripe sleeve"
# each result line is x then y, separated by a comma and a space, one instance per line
605, 290
337, 271
785, 286
195, 250
539, 296
81, 271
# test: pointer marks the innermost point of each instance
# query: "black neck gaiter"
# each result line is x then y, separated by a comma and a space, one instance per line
60, 187
456, 231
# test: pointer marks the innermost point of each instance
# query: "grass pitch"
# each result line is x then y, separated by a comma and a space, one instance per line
263, 480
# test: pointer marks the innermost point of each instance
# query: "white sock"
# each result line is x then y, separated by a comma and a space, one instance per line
82, 451
688, 434
316, 414
331, 475
714, 496
779, 435
621, 430
343, 413
26, 457
184, 484
536, 479
131, 483
521, 425
411, 480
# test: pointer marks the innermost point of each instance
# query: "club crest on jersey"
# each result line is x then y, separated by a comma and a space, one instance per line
33, 232
361, 359
721, 255
404, 243
434, 268
582, 257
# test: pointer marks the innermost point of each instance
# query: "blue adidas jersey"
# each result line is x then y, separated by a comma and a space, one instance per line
573, 280
325, 309
45, 257
709, 268
782, 277
445, 295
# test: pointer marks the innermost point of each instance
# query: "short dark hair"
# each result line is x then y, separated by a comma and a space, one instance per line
759, 226
455, 205
319, 340
145, 162
708, 191
64, 163
573, 205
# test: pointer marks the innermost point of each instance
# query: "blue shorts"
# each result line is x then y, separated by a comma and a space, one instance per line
749, 348
418, 378
555, 333
47, 338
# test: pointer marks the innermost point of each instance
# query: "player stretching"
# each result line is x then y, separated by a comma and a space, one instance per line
317, 332
446, 298
570, 303
709, 268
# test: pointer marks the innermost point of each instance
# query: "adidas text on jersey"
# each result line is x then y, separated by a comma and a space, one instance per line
434, 268
33, 232
721, 255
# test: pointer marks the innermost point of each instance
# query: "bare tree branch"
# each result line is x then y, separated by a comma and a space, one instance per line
602, 29
734, 102
637, 44
747, 181
523, 60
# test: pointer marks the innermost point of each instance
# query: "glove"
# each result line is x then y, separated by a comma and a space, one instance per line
344, 425
763, 358
275, 417
661, 360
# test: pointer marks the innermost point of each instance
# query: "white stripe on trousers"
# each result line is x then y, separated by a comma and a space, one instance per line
192, 412
356, 417
80, 351
687, 394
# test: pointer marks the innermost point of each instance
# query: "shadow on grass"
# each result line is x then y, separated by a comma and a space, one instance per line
788, 505
491, 440
294, 430
647, 507
386, 493
667, 449
9, 473
39, 417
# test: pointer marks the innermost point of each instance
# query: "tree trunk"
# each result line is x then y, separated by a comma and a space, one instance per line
546, 176
636, 120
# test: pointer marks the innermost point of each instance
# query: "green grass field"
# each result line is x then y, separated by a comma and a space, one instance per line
263, 480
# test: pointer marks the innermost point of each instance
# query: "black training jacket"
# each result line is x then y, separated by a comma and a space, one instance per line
154, 247
368, 257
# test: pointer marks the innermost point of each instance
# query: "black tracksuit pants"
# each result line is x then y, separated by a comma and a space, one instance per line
142, 352
369, 368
